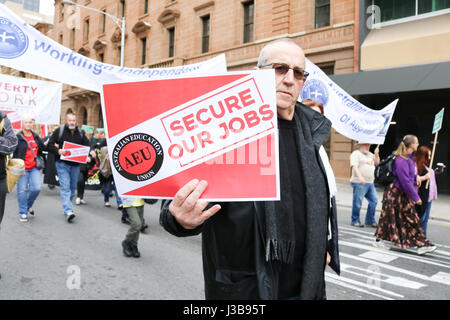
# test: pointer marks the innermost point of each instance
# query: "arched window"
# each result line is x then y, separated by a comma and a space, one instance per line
69, 111
84, 115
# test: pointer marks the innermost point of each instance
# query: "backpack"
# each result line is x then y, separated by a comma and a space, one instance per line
61, 132
105, 165
383, 171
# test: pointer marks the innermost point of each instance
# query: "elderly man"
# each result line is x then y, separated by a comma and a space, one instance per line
68, 171
272, 249
363, 164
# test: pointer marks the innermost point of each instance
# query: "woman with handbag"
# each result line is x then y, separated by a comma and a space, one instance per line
29, 148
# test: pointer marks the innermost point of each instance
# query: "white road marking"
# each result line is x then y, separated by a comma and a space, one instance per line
392, 268
378, 276
378, 256
404, 256
365, 285
349, 286
442, 276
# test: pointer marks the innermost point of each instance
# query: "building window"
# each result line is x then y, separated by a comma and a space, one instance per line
248, 21
205, 33
171, 41
398, 9
103, 21
32, 5
60, 38
322, 13
86, 30
122, 7
101, 57
143, 50
145, 6
72, 38
61, 12
328, 70
100, 117
85, 116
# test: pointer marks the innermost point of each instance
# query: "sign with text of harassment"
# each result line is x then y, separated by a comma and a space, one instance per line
219, 128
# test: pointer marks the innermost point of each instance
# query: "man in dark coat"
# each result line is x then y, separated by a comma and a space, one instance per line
271, 249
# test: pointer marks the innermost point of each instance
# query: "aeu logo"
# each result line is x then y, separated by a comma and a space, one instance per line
316, 90
13, 41
138, 156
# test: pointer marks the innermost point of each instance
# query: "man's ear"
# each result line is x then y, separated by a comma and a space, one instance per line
255, 68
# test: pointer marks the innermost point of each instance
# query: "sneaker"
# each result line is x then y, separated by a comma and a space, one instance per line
127, 249
77, 201
426, 249
144, 227
82, 201
23, 218
373, 225
120, 207
107, 204
31, 212
357, 224
70, 216
380, 244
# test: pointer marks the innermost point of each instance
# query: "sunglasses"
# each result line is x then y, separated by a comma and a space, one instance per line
282, 68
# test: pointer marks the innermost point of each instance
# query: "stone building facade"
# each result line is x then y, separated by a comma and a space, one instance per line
166, 33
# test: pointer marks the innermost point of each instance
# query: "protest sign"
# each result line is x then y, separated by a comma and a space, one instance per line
180, 129
75, 152
348, 116
87, 129
24, 48
40, 100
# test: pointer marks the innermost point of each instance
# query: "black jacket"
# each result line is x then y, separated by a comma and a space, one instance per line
75, 136
8, 143
233, 243
22, 146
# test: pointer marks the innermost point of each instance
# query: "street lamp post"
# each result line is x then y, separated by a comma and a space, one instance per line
119, 22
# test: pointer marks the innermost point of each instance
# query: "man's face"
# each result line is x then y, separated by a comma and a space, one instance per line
27, 124
287, 86
71, 121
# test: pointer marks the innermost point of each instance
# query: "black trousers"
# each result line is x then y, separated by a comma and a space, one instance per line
81, 183
2, 197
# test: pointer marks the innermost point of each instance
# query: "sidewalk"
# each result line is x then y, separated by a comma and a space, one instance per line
440, 208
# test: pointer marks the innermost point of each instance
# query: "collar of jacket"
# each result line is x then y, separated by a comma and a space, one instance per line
320, 125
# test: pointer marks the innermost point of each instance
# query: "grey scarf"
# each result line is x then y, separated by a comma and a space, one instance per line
312, 128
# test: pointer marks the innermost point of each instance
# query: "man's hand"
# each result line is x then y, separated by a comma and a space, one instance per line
93, 154
328, 260
362, 180
419, 202
188, 209
61, 152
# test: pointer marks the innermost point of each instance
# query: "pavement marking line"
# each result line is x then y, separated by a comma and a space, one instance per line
354, 229
396, 281
405, 256
442, 276
349, 286
364, 285
392, 268
426, 257
378, 256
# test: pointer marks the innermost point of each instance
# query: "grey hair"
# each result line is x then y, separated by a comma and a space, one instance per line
262, 59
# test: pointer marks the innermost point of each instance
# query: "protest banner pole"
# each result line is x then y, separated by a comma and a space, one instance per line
432, 157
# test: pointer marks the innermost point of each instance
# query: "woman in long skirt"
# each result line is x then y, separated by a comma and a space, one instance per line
399, 223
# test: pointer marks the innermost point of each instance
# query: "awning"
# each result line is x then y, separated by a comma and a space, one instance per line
422, 77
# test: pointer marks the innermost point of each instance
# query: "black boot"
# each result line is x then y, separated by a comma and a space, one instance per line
127, 249
135, 251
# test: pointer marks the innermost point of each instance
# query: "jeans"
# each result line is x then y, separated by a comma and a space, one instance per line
361, 191
68, 178
424, 219
28, 188
107, 187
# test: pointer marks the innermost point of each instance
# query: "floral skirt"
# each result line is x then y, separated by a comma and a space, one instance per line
399, 222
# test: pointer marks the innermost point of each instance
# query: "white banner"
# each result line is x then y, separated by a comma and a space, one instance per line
24, 48
37, 99
348, 116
